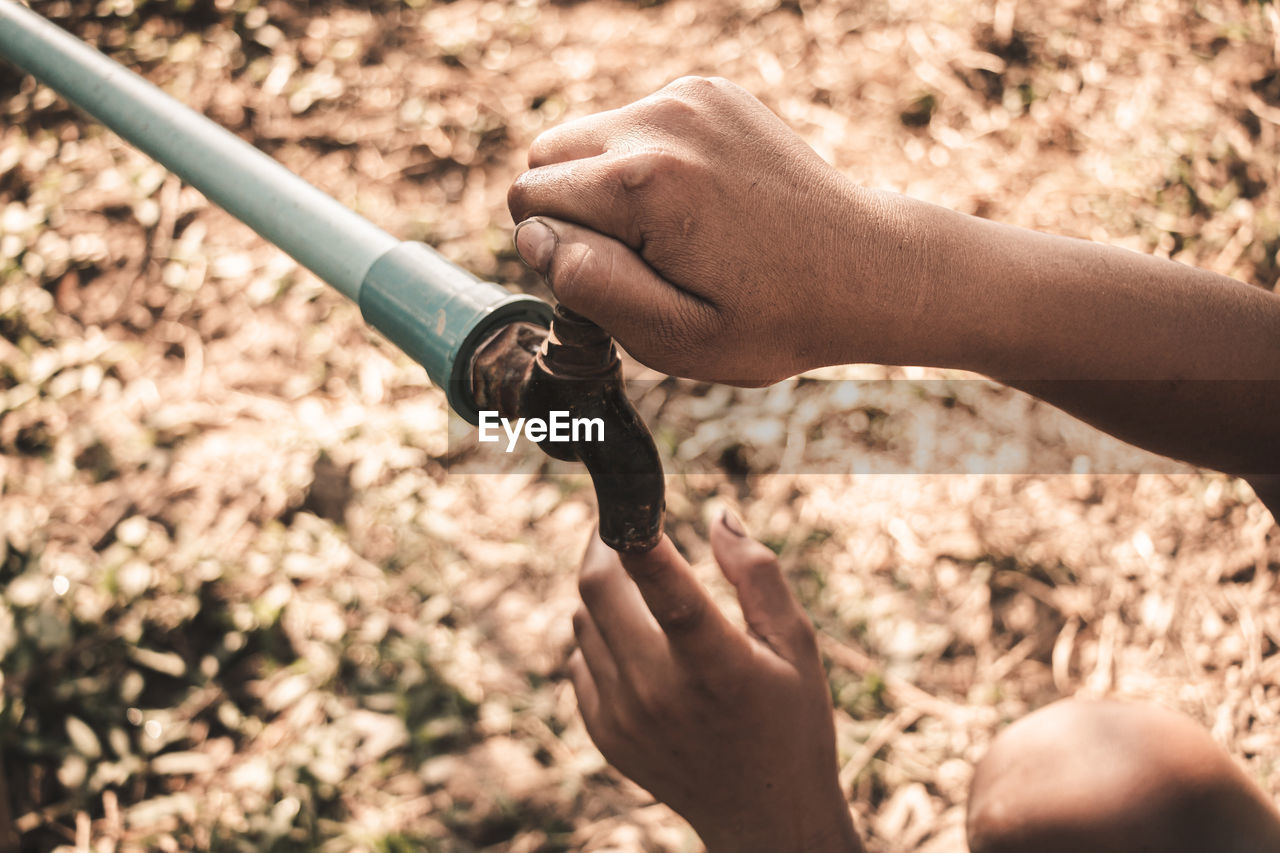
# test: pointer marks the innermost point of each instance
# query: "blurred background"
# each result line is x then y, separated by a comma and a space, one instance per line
245, 606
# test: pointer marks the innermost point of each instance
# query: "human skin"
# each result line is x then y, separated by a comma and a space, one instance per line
730, 726
714, 244
1114, 777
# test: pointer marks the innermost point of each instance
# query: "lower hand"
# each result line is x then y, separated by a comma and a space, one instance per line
732, 728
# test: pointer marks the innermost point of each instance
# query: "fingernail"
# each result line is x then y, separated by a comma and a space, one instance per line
733, 522
535, 242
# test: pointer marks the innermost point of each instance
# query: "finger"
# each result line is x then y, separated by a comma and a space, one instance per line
585, 689
770, 609
574, 140
608, 283
592, 135
600, 660
589, 191
692, 623
616, 611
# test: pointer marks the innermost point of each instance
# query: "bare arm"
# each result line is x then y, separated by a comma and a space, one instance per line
714, 244
1175, 359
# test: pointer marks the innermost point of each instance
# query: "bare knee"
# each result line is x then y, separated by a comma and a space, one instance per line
1112, 776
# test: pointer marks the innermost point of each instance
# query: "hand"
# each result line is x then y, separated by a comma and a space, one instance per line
731, 728
705, 236
709, 239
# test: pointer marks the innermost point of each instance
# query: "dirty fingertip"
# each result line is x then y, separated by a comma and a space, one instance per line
536, 243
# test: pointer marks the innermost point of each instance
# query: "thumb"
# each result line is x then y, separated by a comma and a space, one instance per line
605, 281
770, 609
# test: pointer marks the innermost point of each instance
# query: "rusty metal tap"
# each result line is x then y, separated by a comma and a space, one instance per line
527, 371
436, 312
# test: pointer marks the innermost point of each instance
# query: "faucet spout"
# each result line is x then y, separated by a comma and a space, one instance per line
527, 371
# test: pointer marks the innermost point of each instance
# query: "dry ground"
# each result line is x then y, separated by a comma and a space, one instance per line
247, 607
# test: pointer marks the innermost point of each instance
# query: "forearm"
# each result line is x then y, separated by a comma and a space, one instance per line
1032, 306
1172, 358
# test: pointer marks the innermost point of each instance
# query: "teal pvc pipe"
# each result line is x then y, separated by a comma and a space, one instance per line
436, 312
439, 314
338, 245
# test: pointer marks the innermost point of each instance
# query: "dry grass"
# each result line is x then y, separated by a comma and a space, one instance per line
245, 605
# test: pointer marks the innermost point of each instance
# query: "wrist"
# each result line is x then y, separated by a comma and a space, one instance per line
885, 296
924, 285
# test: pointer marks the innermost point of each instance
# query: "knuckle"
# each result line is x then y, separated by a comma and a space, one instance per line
683, 616
519, 197
730, 94
669, 107
677, 106
640, 169
690, 83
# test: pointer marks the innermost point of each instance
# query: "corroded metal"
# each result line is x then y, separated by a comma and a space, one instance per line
501, 366
526, 371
